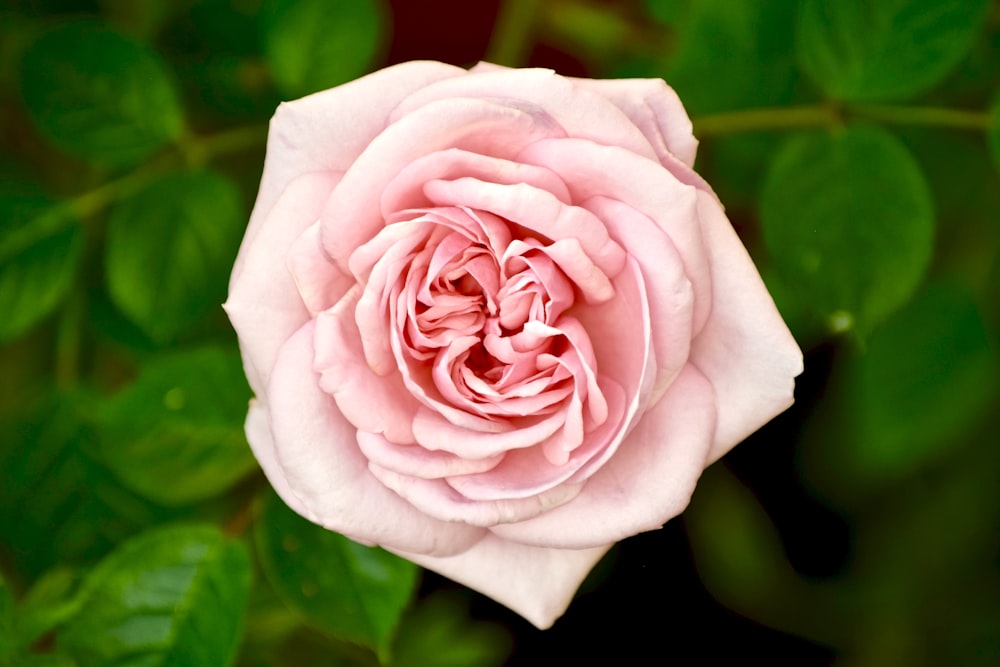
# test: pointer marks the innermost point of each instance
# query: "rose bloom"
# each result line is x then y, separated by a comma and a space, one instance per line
495, 322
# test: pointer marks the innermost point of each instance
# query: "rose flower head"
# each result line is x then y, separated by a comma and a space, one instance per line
495, 322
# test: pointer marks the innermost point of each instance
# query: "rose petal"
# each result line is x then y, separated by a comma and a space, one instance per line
745, 349
417, 461
437, 499
325, 470
580, 112
647, 482
538, 211
537, 583
645, 186
405, 191
328, 130
668, 294
371, 402
264, 305
525, 472
258, 430
352, 216
320, 283
655, 109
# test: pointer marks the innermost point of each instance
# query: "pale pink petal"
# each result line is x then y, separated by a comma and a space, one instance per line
417, 461
646, 483
655, 109
580, 112
643, 185
433, 431
353, 215
524, 472
405, 191
320, 283
536, 210
326, 131
258, 430
264, 305
435, 498
745, 349
326, 471
371, 402
536, 582
669, 294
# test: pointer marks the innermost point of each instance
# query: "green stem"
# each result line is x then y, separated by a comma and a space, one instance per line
959, 119
514, 28
789, 118
767, 119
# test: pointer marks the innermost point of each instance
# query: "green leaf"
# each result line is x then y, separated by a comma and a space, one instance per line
849, 223
926, 374
99, 95
40, 249
439, 633
889, 49
994, 130
176, 434
8, 635
51, 601
342, 588
668, 12
741, 561
743, 48
58, 503
312, 45
170, 248
173, 596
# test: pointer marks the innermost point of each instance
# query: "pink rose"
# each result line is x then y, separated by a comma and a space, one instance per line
495, 322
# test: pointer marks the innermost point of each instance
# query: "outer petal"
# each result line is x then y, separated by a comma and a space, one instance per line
646, 483
655, 109
326, 131
264, 304
580, 112
258, 429
745, 349
536, 582
319, 459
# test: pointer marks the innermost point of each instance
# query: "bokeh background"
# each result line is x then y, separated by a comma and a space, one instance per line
856, 146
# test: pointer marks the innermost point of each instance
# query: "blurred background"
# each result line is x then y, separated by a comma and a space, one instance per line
856, 146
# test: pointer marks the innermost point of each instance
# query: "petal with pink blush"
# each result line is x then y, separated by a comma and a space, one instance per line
326, 131
525, 472
643, 185
433, 431
646, 483
745, 349
320, 283
655, 109
581, 112
416, 461
438, 500
264, 304
371, 402
623, 353
536, 210
326, 471
669, 294
353, 216
405, 191
536, 582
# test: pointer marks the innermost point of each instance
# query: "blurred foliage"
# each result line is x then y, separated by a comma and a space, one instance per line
856, 145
